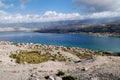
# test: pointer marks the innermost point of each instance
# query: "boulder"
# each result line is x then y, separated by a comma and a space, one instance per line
51, 78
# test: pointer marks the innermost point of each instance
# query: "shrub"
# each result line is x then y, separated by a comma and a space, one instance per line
13, 55
68, 78
60, 73
46, 77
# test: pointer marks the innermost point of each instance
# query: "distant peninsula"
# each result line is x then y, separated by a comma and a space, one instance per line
108, 29
111, 29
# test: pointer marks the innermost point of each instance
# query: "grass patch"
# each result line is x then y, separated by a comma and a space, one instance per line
34, 57
83, 55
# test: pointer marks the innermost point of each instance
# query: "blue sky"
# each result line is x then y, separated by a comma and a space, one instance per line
40, 6
15, 11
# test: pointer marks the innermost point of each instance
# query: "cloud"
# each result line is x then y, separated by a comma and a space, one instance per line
54, 16
99, 9
105, 14
46, 17
100, 5
22, 3
49, 16
3, 5
2, 13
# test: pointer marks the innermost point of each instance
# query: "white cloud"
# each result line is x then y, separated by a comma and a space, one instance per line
105, 14
2, 13
53, 16
97, 9
100, 5
22, 3
46, 17
3, 5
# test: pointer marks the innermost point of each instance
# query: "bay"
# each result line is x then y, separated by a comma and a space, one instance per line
72, 40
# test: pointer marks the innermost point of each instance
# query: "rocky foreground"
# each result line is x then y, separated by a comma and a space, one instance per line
19, 61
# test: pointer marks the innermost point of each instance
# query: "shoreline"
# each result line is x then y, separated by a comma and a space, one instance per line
16, 43
106, 34
6, 29
28, 61
116, 35
99, 49
47, 46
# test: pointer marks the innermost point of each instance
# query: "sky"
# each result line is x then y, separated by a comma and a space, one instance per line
25, 11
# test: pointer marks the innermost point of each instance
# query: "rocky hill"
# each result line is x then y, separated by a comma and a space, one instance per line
28, 61
110, 29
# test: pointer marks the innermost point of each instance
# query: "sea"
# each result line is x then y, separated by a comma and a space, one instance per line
111, 44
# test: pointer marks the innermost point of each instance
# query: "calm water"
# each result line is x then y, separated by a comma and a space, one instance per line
75, 40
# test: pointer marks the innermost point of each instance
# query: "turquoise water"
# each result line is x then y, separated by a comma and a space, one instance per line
74, 40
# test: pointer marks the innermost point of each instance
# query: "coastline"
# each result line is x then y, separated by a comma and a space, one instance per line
5, 29
36, 61
106, 34
32, 34
117, 35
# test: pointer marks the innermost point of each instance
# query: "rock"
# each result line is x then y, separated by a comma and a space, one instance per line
95, 78
37, 79
58, 78
51, 78
78, 61
32, 78
84, 69
32, 75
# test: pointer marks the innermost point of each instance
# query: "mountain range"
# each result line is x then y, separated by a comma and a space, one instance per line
109, 26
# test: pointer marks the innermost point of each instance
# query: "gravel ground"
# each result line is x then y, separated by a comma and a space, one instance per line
97, 68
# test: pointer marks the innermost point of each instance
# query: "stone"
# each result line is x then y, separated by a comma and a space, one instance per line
51, 78
84, 69
58, 78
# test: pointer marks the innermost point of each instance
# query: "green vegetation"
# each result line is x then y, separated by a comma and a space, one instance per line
90, 55
87, 55
68, 78
60, 73
34, 57
103, 54
46, 77
84, 55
